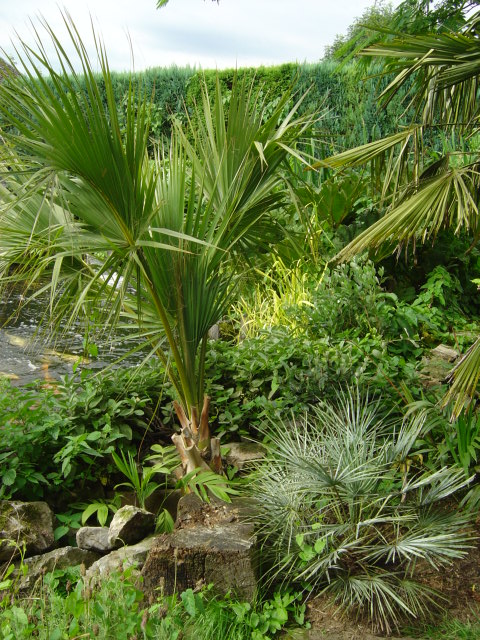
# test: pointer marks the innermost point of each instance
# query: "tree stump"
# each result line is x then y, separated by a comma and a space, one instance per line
222, 555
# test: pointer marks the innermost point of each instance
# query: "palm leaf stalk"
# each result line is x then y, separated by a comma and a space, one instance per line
425, 196
161, 240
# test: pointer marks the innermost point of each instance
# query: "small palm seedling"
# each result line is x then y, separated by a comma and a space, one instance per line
101, 508
346, 506
141, 480
203, 482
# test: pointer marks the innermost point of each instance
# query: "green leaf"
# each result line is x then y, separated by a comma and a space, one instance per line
94, 436
61, 531
9, 571
188, 599
254, 620
165, 523
8, 477
20, 616
319, 545
307, 554
102, 514
89, 511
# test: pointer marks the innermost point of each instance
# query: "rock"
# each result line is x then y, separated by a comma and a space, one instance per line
437, 365
214, 332
192, 511
94, 539
130, 525
26, 523
57, 559
445, 353
9, 376
125, 557
240, 454
222, 554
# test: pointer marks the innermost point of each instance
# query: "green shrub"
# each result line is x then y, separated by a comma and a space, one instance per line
31, 432
54, 438
279, 372
353, 116
338, 329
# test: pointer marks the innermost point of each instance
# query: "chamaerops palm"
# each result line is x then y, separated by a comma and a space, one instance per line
427, 192
159, 236
345, 504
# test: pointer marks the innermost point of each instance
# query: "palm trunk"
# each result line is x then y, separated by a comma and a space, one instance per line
195, 446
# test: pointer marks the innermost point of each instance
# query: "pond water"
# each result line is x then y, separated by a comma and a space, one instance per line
26, 355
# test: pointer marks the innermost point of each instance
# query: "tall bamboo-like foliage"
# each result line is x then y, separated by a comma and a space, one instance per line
427, 192
158, 239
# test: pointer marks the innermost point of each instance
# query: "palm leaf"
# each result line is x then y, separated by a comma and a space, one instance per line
465, 375
445, 67
447, 200
441, 72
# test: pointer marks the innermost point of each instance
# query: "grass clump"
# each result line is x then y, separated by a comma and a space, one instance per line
450, 630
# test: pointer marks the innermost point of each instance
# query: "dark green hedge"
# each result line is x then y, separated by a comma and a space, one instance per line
352, 113
348, 101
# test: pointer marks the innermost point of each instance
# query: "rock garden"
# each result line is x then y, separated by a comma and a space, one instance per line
265, 421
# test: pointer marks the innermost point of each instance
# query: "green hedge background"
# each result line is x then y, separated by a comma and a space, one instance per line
350, 98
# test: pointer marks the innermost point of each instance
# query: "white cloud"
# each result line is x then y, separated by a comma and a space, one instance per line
194, 32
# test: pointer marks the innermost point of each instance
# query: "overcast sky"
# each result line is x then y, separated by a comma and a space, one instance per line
198, 33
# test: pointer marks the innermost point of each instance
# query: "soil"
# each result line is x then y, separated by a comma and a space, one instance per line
459, 583
329, 624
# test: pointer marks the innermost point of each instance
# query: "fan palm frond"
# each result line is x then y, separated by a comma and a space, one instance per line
444, 201
441, 72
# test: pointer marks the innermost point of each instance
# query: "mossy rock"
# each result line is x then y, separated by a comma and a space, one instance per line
25, 524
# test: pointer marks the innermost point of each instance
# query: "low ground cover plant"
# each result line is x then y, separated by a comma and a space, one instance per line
64, 606
451, 630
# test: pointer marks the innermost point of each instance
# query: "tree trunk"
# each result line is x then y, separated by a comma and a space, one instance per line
196, 448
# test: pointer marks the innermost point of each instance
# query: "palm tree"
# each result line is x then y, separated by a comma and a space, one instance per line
423, 195
158, 239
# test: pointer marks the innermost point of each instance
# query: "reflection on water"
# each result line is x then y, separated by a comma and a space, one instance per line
25, 355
